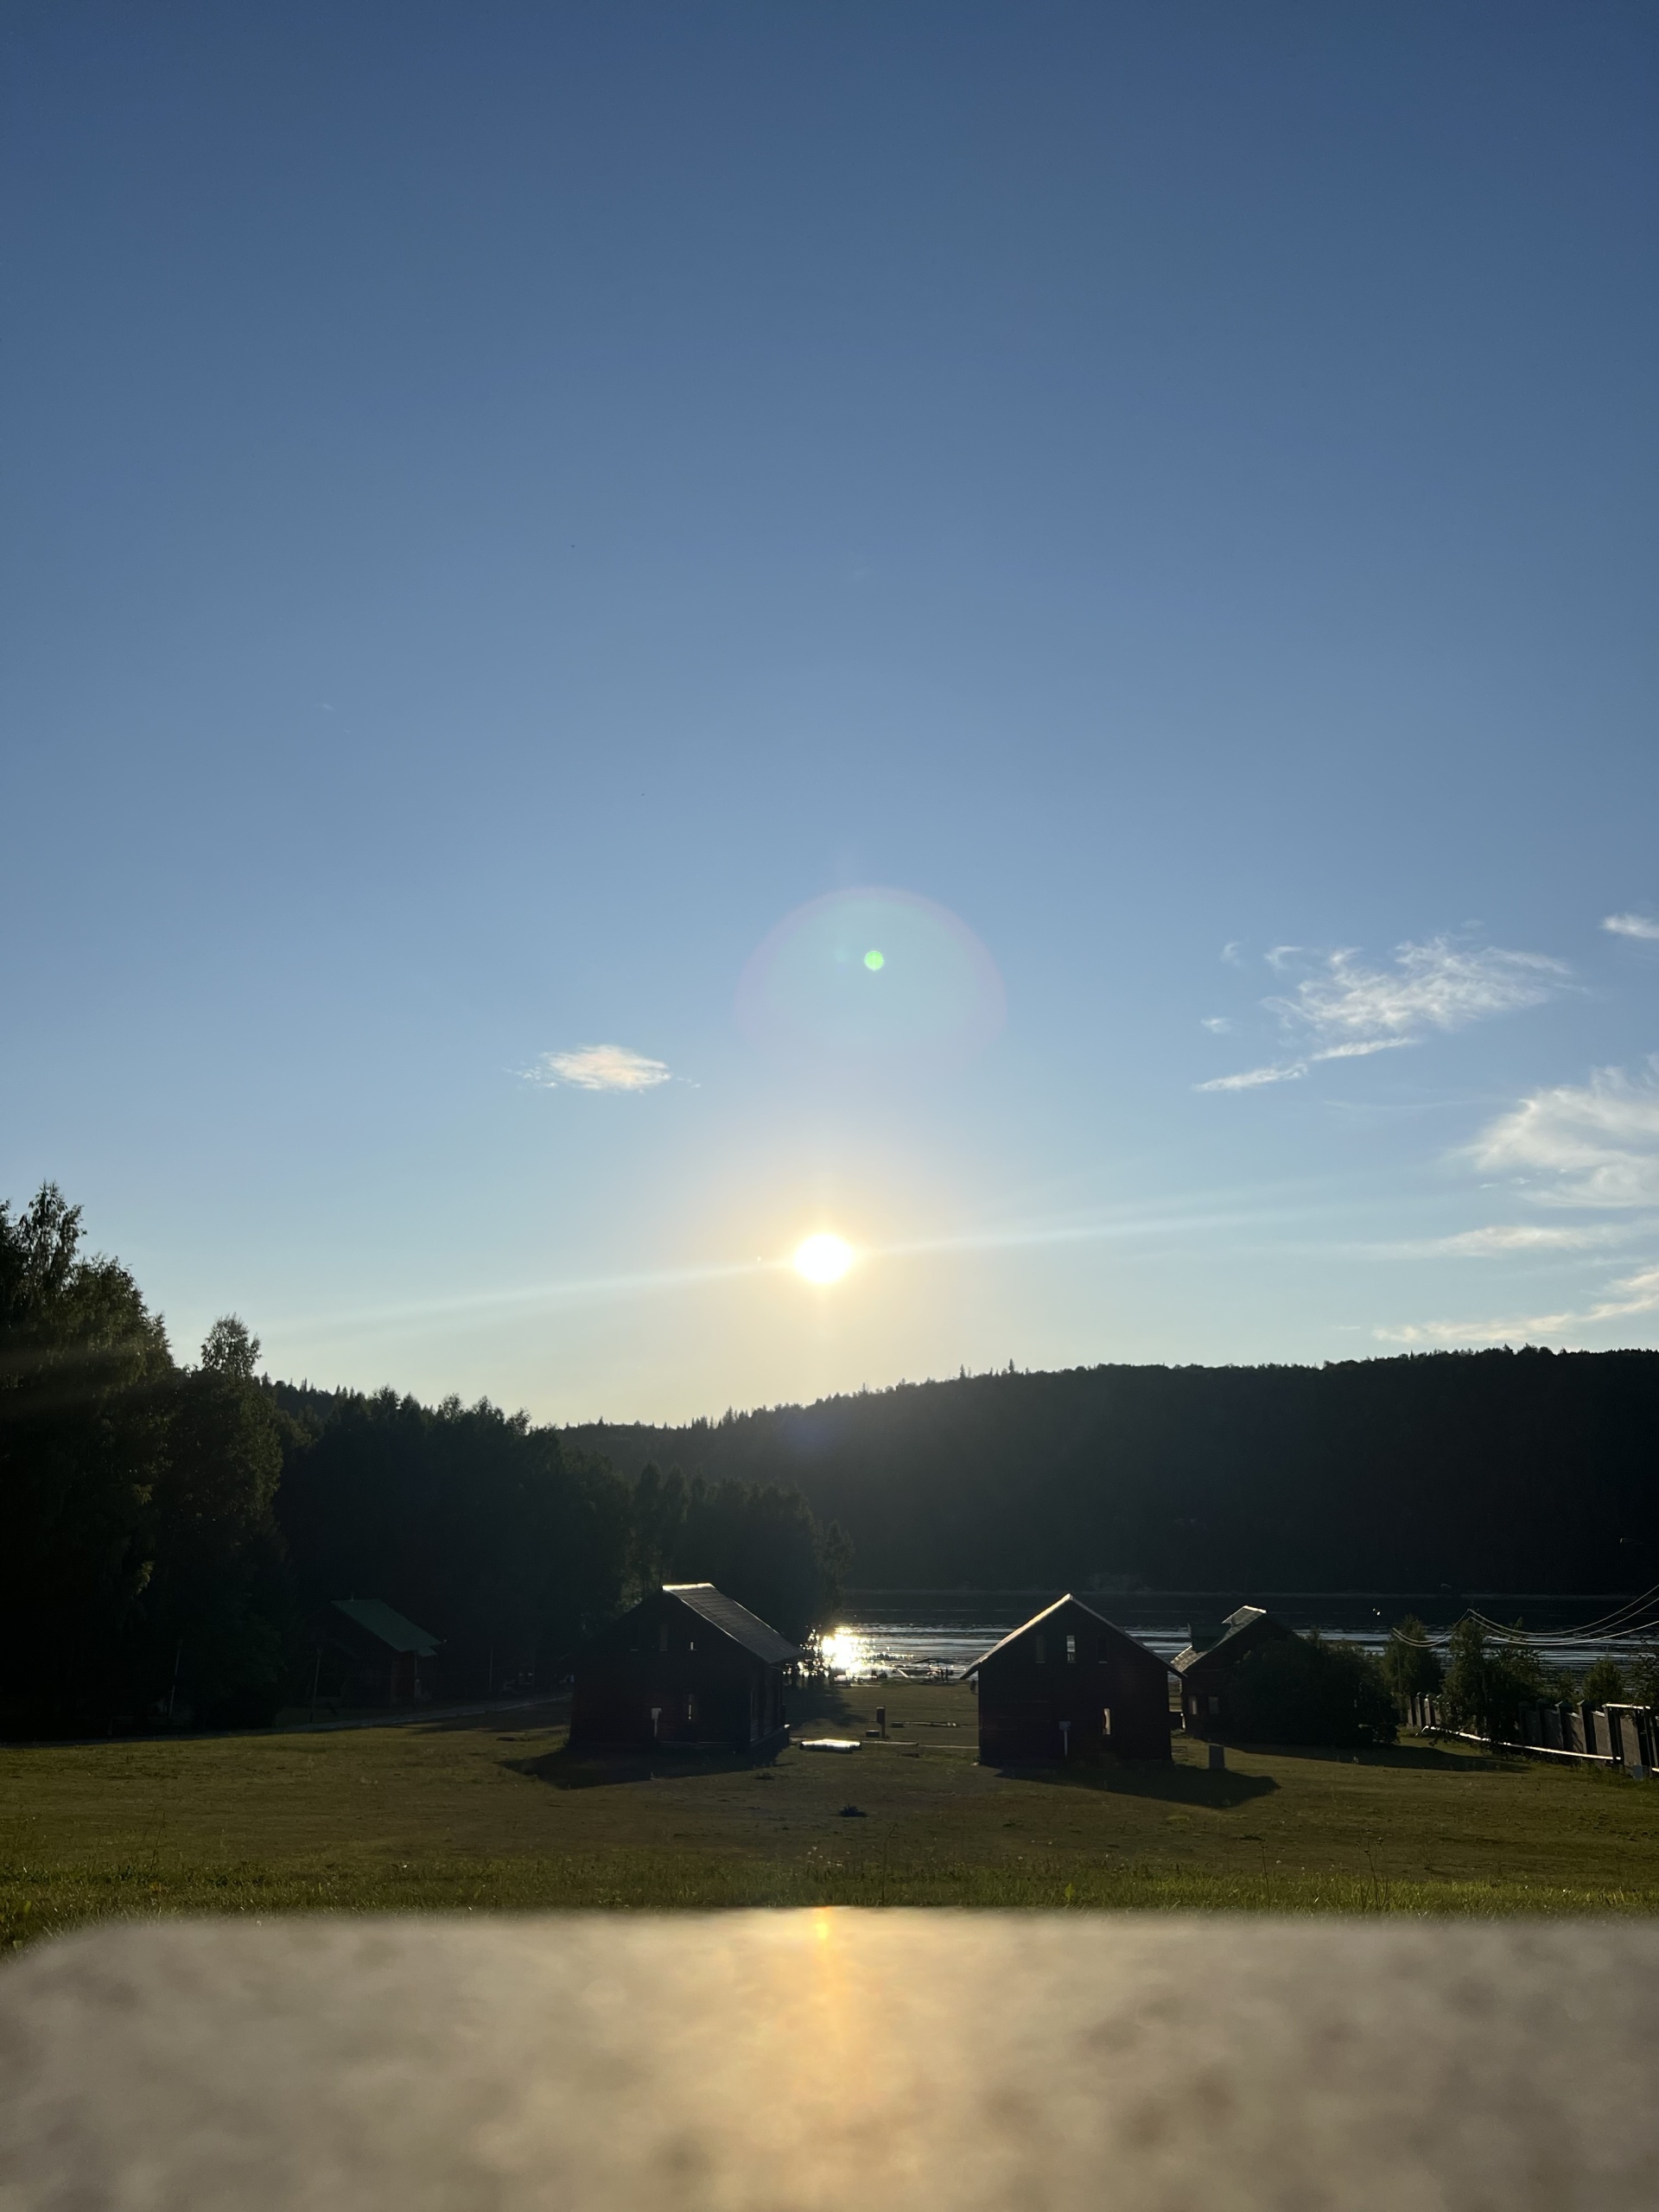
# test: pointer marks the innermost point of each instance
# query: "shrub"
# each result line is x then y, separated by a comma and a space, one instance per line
1487, 1683
1303, 1690
1409, 1667
1603, 1682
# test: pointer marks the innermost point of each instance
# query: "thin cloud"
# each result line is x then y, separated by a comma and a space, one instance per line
1210, 1211
1436, 986
1216, 1024
1642, 925
1253, 1079
1595, 1144
1636, 1294
1346, 1011
1363, 1047
599, 1067
1519, 1236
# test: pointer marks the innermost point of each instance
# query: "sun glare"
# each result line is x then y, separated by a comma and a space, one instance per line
823, 1259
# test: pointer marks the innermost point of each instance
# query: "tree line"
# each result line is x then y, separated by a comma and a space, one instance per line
172, 1530
1483, 1471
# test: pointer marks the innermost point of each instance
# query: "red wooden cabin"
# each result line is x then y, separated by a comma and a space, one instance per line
1070, 1685
1208, 1664
687, 1670
369, 1653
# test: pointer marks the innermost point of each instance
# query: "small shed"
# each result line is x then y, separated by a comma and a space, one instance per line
1070, 1685
1208, 1664
687, 1670
376, 1653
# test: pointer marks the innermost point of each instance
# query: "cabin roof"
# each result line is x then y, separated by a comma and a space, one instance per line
378, 1620
1234, 1625
735, 1620
1024, 1628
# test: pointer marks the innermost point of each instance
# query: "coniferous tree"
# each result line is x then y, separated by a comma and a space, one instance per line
84, 1386
214, 1610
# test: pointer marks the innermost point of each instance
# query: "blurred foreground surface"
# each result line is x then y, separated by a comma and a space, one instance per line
794, 2062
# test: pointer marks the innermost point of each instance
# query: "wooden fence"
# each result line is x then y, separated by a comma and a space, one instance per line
1624, 1735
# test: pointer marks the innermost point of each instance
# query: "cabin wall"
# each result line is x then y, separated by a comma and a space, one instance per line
663, 1676
1206, 1685
1038, 1710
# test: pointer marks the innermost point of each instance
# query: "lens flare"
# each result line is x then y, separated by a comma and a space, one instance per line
810, 994
823, 1259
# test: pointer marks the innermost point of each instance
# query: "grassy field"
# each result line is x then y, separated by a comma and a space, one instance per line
491, 1813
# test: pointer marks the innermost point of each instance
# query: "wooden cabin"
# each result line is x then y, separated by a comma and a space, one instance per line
369, 1653
1207, 1665
687, 1670
1070, 1685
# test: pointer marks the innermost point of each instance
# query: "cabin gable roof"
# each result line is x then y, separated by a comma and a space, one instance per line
756, 1636
377, 1619
1241, 1631
1062, 1604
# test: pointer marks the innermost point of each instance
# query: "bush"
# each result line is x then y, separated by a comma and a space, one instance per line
1602, 1683
1302, 1690
1487, 1683
1409, 1667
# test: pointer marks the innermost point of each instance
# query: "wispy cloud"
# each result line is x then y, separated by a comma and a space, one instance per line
1201, 1215
1636, 1294
1642, 925
1252, 1078
1216, 1024
1433, 986
1506, 1237
1594, 1144
598, 1067
1346, 1011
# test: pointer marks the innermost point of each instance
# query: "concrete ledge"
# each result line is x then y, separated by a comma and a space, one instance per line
833, 2062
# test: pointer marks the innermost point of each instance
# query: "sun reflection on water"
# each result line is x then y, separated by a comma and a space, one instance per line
846, 1651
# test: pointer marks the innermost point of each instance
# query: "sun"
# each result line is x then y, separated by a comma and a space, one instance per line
823, 1259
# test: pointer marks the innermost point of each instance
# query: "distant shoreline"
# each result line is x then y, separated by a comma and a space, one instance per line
1047, 1589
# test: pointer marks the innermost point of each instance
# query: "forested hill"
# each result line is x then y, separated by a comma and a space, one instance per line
1493, 1471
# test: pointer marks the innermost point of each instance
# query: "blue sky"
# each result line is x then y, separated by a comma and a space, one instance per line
1150, 508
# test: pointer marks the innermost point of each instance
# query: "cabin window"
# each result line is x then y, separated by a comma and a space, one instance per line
1039, 1651
690, 1704
1106, 1721
661, 1636
1215, 1707
1071, 1650
691, 1642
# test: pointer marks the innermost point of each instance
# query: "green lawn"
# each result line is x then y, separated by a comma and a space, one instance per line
491, 1813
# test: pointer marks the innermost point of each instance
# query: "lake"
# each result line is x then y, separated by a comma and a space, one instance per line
918, 1635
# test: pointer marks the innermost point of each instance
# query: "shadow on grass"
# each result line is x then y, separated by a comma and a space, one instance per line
1464, 1760
812, 1702
491, 1721
565, 1769
1171, 1785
